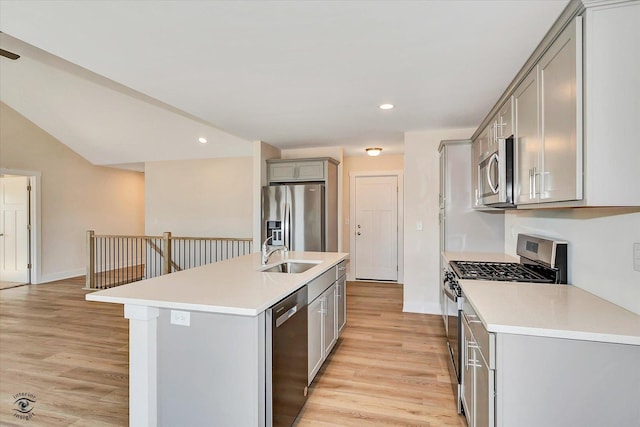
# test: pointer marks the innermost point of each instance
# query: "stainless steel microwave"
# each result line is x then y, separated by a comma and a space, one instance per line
496, 175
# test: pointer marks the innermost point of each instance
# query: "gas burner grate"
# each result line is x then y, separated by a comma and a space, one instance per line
502, 271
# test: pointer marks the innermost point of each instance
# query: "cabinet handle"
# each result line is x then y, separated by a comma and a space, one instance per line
325, 305
530, 183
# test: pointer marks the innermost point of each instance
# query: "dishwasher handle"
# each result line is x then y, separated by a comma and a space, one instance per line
286, 316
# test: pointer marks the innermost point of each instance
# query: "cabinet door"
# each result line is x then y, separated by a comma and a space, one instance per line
330, 330
315, 327
504, 123
476, 152
341, 303
282, 171
484, 393
443, 165
527, 140
558, 71
467, 372
483, 140
313, 170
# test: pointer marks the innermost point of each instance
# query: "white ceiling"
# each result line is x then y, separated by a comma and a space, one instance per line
157, 74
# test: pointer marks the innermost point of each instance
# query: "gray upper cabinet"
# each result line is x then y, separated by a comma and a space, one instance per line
501, 126
479, 150
560, 107
504, 121
296, 170
476, 148
575, 111
527, 140
547, 107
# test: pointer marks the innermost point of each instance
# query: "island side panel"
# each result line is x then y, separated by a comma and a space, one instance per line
543, 381
211, 372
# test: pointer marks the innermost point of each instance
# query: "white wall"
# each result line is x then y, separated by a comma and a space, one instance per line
600, 241
75, 196
200, 198
421, 188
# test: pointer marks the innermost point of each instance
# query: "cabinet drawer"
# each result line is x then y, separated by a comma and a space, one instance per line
318, 285
484, 339
341, 269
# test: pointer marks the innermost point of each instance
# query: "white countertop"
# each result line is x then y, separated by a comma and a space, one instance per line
235, 286
557, 311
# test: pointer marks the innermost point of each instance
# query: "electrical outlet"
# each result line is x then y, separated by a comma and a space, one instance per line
636, 256
180, 318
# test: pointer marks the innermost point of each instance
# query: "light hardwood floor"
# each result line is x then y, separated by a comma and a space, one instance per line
388, 369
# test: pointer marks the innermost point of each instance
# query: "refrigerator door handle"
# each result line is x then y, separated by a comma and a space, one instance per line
287, 226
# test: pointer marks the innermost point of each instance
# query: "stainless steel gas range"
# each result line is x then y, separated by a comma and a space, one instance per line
541, 261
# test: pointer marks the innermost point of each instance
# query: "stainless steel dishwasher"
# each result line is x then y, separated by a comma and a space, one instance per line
286, 359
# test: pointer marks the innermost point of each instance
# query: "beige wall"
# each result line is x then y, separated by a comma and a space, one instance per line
362, 164
75, 195
421, 189
200, 198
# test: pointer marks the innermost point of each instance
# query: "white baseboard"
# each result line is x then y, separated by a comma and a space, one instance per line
417, 307
60, 275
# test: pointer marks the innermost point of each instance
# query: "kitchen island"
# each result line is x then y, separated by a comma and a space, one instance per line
552, 355
197, 339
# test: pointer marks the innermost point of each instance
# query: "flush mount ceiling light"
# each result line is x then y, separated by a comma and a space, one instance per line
373, 151
202, 140
386, 106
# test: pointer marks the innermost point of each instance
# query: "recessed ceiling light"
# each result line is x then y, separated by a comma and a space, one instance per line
202, 140
386, 106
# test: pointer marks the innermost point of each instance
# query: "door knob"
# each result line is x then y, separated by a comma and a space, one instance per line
359, 226
358, 233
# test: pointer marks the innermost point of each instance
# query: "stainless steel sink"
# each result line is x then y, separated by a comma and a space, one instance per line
290, 267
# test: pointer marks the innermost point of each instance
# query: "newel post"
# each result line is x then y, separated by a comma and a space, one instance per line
166, 252
91, 260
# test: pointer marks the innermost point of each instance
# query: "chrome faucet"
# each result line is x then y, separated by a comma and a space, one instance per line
268, 251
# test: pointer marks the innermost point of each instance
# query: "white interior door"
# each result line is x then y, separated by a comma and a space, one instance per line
14, 221
376, 228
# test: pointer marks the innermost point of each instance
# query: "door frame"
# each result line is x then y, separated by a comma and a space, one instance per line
35, 254
352, 219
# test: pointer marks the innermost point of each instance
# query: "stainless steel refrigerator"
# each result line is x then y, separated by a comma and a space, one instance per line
296, 215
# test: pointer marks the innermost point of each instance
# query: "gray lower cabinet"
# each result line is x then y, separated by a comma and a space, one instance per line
531, 381
322, 329
330, 329
478, 375
315, 348
341, 303
327, 313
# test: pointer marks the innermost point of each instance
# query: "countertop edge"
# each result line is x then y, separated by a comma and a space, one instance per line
176, 305
251, 311
564, 334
